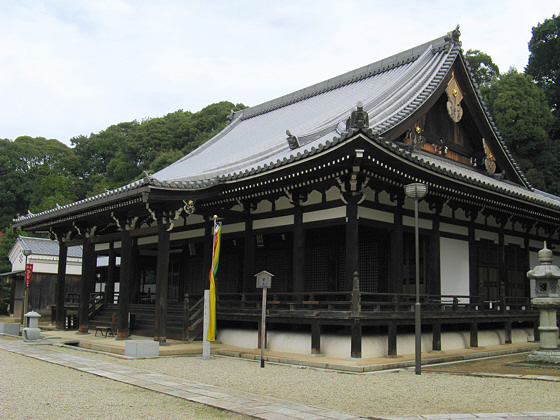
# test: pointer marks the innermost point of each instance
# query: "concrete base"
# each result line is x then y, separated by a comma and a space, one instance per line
30, 334
141, 348
544, 356
11, 328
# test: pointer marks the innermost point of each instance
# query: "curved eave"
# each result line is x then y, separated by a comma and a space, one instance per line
109, 200
470, 178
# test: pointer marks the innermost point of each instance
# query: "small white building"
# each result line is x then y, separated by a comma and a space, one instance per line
44, 257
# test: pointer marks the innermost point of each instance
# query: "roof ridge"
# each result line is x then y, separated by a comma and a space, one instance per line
352, 76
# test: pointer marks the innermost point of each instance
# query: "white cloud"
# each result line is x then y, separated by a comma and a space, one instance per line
70, 68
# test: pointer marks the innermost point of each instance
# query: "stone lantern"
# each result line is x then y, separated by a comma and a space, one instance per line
547, 300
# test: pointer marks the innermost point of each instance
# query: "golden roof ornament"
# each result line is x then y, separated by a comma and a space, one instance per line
454, 98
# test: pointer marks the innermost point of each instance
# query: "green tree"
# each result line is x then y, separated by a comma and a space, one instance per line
15, 186
523, 118
6, 244
544, 64
483, 69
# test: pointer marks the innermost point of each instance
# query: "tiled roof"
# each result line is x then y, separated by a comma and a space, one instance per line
390, 90
41, 246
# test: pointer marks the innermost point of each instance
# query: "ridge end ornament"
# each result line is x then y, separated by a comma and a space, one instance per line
454, 98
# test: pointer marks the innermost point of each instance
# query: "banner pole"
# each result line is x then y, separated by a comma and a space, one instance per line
206, 323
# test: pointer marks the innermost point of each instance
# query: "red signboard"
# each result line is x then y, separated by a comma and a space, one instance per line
28, 273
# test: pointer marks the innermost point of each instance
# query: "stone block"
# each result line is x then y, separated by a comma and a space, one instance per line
11, 328
141, 348
30, 334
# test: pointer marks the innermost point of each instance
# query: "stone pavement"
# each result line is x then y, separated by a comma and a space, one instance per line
253, 405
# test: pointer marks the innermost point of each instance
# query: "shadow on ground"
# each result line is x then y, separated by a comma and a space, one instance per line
502, 365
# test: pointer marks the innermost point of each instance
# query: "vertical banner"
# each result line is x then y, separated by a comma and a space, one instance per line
211, 336
28, 274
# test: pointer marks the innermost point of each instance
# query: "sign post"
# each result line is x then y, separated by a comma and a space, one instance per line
264, 281
28, 274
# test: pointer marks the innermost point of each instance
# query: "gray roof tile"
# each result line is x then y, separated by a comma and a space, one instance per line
41, 246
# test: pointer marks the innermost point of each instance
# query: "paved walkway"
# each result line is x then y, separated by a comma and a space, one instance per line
253, 405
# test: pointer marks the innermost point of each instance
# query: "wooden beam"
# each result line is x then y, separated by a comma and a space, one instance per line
396, 255
507, 328
111, 271
434, 278
86, 284
207, 258
298, 277
352, 238
61, 285
124, 286
392, 339
474, 287
436, 335
315, 337
356, 339
162, 283
474, 334
247, 282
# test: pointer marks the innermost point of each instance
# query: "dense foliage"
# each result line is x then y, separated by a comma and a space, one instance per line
525, 106
37, 174
544, 64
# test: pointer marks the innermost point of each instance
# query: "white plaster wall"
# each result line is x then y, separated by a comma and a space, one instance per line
484, 234
327, 214
186, 234
273, 222
457, 230
454, 260
338, 345
48, 264
372, 214
517, 240
422, 223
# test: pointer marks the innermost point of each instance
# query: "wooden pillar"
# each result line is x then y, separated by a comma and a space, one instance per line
536, 332
135, 273
352, 240
527, 228
436, 335
207, 258
502, 269
474, 287
396, 257
87, 283
111, 271
433, 285
474, 334
507, 332
162, 283
61, 285
315, 337
356, 339
298, 276
124, 286
392, 339
248, 281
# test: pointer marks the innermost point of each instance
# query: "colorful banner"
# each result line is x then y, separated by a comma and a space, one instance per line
211, 336
28, 274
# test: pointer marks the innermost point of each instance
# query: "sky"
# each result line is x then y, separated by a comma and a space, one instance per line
75, 67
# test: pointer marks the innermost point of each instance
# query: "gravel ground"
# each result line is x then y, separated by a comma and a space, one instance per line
32, 389
382, 394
